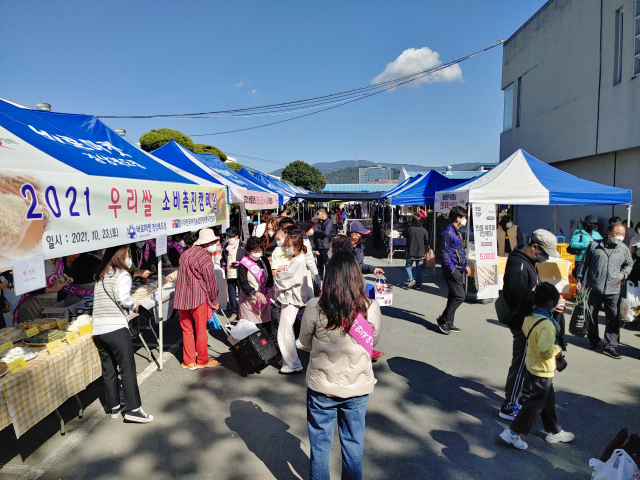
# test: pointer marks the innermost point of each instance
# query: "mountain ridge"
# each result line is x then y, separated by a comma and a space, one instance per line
328, 167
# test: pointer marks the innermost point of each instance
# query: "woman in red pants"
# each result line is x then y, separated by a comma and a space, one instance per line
196, 295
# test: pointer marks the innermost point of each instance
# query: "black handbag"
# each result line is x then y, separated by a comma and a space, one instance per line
579, 324
575, 251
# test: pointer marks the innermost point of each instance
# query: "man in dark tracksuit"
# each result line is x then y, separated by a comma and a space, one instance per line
322, 236
454, 268
604, 265
520, 278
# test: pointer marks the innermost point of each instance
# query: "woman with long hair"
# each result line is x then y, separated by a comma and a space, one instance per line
288, 291
112, 304
341, 328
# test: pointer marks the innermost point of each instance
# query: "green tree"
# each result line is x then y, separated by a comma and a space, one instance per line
235, 166
210, 150
305, 176
157, 138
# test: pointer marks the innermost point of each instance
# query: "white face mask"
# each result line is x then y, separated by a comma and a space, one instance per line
182, 243
255, 256
463, 222
233, 240
128, 262
271, 233
290, 251
510, 224
617, 240
279, 242
211, 249
310, 233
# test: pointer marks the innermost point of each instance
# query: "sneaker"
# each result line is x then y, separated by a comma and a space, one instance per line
116, 411
510, 414
412, 282
188, 366
513, 439
455, 329
290, 371
611, 352
376, 355
138, 416
561, 436
210, 363
299, 346
443, 328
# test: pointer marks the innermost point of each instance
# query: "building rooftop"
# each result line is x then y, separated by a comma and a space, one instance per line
463, 174
358, 187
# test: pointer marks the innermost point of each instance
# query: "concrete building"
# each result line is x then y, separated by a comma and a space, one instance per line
571, 86
371, 174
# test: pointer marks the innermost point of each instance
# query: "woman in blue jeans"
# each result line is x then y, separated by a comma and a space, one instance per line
340, 328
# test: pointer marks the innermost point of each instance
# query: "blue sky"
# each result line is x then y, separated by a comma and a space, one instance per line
156, 57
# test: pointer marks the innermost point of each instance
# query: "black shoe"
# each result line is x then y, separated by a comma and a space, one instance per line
455, 329
592, 345
138, 416
611, 352
444, 328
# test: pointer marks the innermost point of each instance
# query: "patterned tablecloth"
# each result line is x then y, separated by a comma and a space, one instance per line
48, 381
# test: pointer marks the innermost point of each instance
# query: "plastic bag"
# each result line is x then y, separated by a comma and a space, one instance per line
633, 294
619, 467
241, 330
213, 323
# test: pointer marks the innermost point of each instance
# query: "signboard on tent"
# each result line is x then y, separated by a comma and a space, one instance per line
257, 200
486, 243
57, 214
446, 200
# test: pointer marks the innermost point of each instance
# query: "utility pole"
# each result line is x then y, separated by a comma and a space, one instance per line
356, 161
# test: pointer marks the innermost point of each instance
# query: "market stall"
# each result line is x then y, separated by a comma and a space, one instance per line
523, 180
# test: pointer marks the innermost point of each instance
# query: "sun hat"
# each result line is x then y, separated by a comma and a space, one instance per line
206, 236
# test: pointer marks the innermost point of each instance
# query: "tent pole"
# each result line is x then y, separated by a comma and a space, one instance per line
391, 234
555, 220
160, 313
629, 215
466, 278
434, 239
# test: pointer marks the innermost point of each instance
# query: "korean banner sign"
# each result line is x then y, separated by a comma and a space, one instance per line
445, 201
484, 234
56, 215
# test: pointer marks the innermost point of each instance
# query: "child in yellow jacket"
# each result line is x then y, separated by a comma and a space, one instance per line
540, 360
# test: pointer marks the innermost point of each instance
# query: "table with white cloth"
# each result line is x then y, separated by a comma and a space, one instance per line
46, 383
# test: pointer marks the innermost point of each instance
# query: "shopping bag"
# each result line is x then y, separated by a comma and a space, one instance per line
619, 467
382, 293
630, 304
213, 323
240, 330
581, 316
429, 260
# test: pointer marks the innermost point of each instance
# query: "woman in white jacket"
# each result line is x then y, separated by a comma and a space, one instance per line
288, 291
341, 328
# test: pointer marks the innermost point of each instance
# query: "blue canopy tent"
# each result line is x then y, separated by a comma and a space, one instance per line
286, 194
250, 178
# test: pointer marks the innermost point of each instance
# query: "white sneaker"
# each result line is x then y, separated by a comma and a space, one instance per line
299, 346
561, 436
513, 439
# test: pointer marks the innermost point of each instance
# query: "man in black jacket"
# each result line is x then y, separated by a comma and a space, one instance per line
322, 236
520, 278
417, 247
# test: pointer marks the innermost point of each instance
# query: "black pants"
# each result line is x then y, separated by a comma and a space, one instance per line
233, 299
323, 259
517, 370
612, 328
538, 399
455, 298
116, 350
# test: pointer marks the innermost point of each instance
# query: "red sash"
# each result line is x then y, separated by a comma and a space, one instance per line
257, 272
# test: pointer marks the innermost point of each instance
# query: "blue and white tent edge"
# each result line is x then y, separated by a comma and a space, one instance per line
524, 180
244, 173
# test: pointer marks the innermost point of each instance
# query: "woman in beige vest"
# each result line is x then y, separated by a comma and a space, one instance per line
509, 236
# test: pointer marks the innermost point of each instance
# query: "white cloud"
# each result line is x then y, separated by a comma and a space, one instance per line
239, 85
413, 60
253, 92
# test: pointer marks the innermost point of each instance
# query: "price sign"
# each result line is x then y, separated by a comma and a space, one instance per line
62, 324
28, 274
17, 365
161, 245
85, 330
54, 346
72, 337
31, 332
6, 346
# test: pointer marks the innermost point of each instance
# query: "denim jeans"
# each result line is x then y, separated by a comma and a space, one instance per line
409, 268
322, 412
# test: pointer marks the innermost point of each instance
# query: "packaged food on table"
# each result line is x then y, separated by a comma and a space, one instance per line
81, 321
43, 338
144, 292
15, 353
11, 335
41, 323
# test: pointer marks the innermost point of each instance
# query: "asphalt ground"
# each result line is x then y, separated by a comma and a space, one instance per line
433, 414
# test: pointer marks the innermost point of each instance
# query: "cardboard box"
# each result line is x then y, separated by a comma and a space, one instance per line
62, 309
557, 269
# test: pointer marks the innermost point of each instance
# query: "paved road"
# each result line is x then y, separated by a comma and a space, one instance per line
433, 414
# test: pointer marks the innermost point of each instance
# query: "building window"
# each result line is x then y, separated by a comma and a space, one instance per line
519, 100
507, 122
617, 64
636, 42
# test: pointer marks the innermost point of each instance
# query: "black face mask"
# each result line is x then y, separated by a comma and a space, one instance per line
588, 228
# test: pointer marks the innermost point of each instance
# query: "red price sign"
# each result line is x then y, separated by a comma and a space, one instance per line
488, 256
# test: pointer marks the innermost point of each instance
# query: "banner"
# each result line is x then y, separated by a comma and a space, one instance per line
254, 200
486, 244
54, 214
445, 201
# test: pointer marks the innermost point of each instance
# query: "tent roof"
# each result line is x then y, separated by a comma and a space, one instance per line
456, 175
524, 180
358, 187
271, 183
421, 190
244, 173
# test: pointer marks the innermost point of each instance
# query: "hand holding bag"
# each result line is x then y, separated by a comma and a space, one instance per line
429, 260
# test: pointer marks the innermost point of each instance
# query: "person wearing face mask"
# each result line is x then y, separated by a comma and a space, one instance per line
454, 268
254, 281
521, 278
112, 304
605, 264
288, 291
322, 236
232, 252
582, 237
509, 236
542, 350
196, 299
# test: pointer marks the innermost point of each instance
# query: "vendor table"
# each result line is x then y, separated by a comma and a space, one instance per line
48, 381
